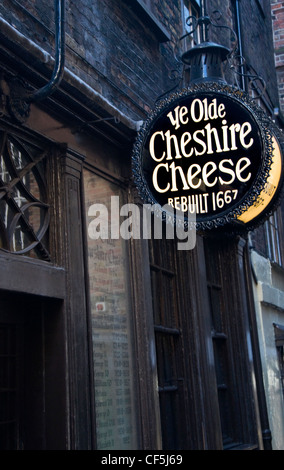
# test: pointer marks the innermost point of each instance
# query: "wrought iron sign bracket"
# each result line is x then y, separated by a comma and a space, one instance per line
209, 149
207, 60
206, 54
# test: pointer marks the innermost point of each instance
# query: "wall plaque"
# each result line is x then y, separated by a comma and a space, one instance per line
211, 150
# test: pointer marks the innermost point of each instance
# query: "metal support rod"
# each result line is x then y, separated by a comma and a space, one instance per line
49, 88
239, 35
203, 8
204, 27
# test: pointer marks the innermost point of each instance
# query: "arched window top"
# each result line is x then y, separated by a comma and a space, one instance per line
24, 211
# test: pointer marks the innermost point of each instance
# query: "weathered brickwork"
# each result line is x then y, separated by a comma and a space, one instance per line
256, 26
112, 49
277, 9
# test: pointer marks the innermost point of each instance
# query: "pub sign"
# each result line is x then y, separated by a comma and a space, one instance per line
210, 150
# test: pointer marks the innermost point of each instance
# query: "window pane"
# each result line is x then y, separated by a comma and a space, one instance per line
113, 350
274, 235
190, 15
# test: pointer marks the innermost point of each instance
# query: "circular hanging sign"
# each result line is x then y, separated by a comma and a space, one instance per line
211, 151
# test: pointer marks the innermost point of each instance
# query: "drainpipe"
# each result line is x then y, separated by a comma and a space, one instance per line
49, 88
240, 42
21, 96
204, 26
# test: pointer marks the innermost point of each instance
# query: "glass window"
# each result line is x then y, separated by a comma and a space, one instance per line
273, 233
169, 347
190, 14
279, 341
113, 345
220, 342
147, 12
227, 347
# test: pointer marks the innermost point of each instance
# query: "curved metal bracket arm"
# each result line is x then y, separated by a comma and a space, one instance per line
203, 23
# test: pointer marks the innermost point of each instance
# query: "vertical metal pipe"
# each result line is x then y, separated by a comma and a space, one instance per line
203, 7
239, 34
49, 88
204, 26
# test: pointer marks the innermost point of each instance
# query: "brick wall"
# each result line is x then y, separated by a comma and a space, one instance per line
258, 43
107, 45
277, 9
111, 48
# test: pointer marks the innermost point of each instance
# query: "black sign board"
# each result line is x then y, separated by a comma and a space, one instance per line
210, 150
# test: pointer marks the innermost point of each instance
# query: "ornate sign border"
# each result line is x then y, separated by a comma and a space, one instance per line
267, 129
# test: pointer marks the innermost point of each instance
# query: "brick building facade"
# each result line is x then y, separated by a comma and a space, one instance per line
124, 344
278, 21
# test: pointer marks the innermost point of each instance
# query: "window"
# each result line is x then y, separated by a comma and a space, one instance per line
169, 349
220, 343
279, 341
145, 11
24, 210
190, 13
228, 346
274, 228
